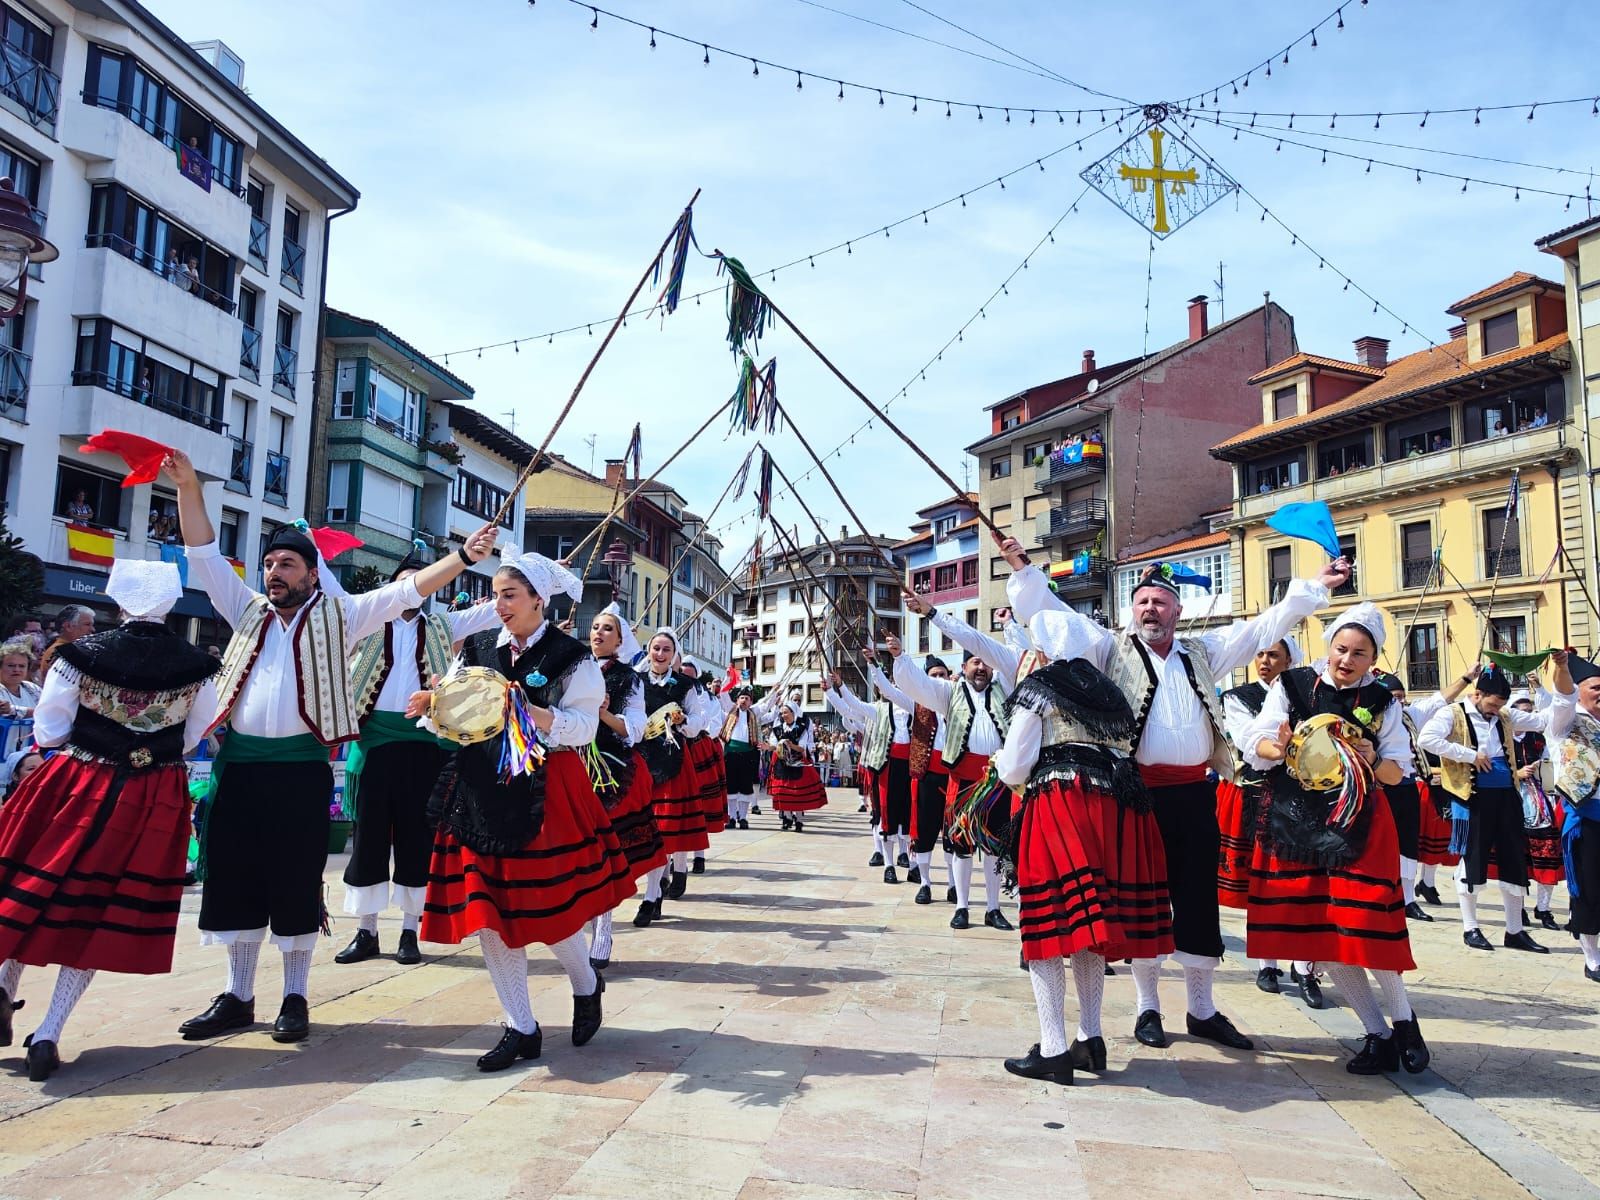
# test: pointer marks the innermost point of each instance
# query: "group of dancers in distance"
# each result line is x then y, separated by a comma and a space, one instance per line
515, 785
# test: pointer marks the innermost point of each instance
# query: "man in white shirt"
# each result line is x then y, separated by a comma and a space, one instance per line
284, 692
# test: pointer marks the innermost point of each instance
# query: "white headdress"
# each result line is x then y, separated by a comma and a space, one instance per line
1296, 655
630, 650
1051, 633
545, 576
1365, 616
146, 591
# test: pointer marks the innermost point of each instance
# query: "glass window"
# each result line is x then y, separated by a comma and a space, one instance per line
1285, 402
1416, 436
392, 405
1502, 543
338, 491
103, 83
23, 171
387, 502
89, 498
1032, 506
769, 663
1000, 468
1422, 659
228, 535
1347, 550
1279, 471
1416, 549
1508, 635
1517, 411
1280, 572
1500, 333
796, 628
1339, 456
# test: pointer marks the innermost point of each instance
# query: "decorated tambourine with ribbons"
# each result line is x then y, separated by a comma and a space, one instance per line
474, 705
663, 722
1322, 757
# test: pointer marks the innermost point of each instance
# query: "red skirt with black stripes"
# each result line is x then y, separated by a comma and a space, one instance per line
1092, 875
705, 752
1237, 811
680, 811
1353, 914
1433, 836
573, 871
105, 901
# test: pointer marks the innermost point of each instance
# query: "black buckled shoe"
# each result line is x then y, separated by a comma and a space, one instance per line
889, 876
43, 1061
876, 860
362, 947
586, 1013
679, 884
1523, 940
649, 910
512, 1046
995, 919
924, 895
1147, 1030
408, 953
862, 809
914, 875
904, 860
755, 810
1475, 939
1057, 1068
294, 1020
699, 867
1546, 918
1088, 1055
1310, 988
1267, 979
7, 1007
1217, 1028
1429, 893
1414, 1056
227, 1013
1415, 912
960, 919
1378, 1054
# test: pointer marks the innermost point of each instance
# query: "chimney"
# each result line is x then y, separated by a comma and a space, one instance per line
616, 472
1372, 351
844, 534
1199, 319
1088, 363
1458, 331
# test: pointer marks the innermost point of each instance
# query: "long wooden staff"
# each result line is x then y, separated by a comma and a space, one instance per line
1435, 571
722, 587
805, 598
594, 550
513, 494
705, 521
849, 579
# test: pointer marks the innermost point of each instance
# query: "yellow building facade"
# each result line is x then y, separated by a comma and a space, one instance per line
1416, 460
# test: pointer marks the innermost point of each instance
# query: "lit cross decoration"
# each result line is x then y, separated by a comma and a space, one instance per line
1159, 178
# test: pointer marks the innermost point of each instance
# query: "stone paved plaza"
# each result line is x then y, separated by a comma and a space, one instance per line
797, 1028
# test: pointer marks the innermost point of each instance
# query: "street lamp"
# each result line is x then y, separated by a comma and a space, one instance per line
21, 243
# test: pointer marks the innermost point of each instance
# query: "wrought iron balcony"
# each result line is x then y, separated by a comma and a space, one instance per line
250, 353
32, 86
285, 366
1080, 518
1505, 562
293, 268
277, 477
260, 236
1088, 575
174, 406
239, 466
15, 367
1415, 572
1422, 676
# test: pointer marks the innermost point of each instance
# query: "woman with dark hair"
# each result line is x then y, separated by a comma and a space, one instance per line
525, 852
796, 787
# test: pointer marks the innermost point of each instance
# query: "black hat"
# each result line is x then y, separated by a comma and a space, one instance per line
1390, 681
1581, 668
413, 561
933, 661
1157, 575
1493, 682
291, 537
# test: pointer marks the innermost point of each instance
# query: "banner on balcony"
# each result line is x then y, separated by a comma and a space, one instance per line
86, 544
195, 167
1079, 564
1077, 452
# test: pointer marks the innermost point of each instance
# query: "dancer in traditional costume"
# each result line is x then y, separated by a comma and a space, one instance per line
891, 746
675, 710
928, 781
1088, 862
741, 741
1575, 748
1475, 741
705, 751
525, 853
1170, 684
625, 787
1325, 877
793, 782
390, 771
92, 845
1542, 817
284, 692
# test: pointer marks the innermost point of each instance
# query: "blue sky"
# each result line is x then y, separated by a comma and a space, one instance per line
518, 168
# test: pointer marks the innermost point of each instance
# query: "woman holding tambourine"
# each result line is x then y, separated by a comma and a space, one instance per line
1324, 880
794, 784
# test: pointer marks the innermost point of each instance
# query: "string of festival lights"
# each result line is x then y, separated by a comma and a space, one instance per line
1528, 107
1334, 19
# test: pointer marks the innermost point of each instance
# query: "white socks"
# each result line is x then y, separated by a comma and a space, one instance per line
508, 971
296, 972
1263, 964
242, 959
1146, 975
1591, 950
411, 922
1468, 900
1429, 872
600, 947
573, 955
680, 862
652, 884
71, 983
1049, 978
10, 977
1198, 981
925, 866
963, 881
1089, 981
1394, 995
1357, 992
1511, 898
1542, 895
991, 884
1408, 876
950, 865
369, 923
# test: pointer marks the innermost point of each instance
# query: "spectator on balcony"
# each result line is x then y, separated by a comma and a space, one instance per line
1500, 429
80, 509
1355, 463
141, 391
1441, 441
1266, 486
1331, 470
1540, 419
191, 268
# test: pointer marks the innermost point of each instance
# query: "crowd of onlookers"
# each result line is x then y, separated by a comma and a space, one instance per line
837, 752
25, 655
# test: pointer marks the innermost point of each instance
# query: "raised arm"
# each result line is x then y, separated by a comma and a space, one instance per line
474, 619
918, 684
370, 611
1231, 648
1001, 658
215, 575
888, 690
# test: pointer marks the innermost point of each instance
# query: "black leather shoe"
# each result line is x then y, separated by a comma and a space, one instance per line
915, 874
743, 823
1088, 1055
1267, 979
959, 920
407, 953
1022, 959
1217, 1028
1523, 940
43, 1061
1415, 912
862, 809
699, 867
950, 895
1414, 1056
1429, 893
1110, 970
678, 886
876, 860
1377, 1055
1545, 918
1475, 939
649, 910
362, 947
755, 810
903, 861
586, 1013
786, 819
512, 1046
1055, 1069
924, 895
1147, 1029
889, 876
799, 825
227, 1013
7, 1007
995, 919
294, 1021
1310, 989
1592, 973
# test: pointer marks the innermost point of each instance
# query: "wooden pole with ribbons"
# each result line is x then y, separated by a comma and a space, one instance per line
805, 599
679, 228
866, 608
705, 521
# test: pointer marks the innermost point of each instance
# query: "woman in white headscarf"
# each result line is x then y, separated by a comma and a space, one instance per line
525, 853
1325, 876
93, 844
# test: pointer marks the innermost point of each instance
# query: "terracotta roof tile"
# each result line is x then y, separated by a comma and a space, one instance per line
1430, 368
1296, 361
1514, 282
1188, 545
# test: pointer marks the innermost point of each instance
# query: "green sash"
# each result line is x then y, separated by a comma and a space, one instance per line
379, 729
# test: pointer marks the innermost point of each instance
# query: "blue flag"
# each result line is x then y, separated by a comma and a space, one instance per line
1310, 520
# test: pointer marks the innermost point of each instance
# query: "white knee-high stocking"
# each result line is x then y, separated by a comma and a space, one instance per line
1354, 986
573, 955
991, 884
10, 977
71, 982
508, 971
1429, 872
1198, 981
1591, 950
1543, 894
652, 884
1089, 981
296, 972
600, 947
242, 959
1511, 898
1468, 899
1146, 977
963, 877
1408, 879
680, 861
1394, 995
1049, 978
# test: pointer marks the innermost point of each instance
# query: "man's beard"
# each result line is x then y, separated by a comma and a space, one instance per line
290, 597
1152, 635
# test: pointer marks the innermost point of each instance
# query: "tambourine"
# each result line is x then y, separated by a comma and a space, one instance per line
1314, 757
793, 756
660, 723
468, 706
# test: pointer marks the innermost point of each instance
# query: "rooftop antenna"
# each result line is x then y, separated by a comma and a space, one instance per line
1222, 306
589, 442
511, 414
966, 474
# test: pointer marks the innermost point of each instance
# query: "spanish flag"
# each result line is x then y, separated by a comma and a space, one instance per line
87, 544
238, 567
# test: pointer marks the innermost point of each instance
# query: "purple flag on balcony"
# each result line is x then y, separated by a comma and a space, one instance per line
1311, 520
195, 167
